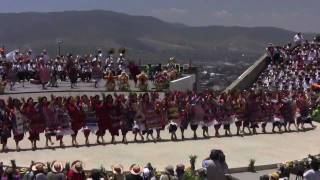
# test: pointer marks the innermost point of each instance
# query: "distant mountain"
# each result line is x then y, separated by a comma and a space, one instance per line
147, 38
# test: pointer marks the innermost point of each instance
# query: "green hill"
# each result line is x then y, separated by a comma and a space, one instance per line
146, 38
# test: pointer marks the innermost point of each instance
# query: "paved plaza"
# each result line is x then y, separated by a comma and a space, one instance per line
264, 148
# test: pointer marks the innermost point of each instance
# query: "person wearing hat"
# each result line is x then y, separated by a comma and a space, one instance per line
76, 171
168, 174
123, 81
117, 171
110, 81
143, 81
56, 171
135, 173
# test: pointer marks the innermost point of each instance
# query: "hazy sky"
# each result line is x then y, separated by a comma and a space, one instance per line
298, 15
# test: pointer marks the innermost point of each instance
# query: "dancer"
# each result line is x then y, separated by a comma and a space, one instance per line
77, 118
19, 122
36, 124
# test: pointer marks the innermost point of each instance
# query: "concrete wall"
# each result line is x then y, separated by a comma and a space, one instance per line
246, 79
186, 83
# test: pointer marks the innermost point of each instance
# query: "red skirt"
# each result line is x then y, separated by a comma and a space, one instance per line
18, 137
34, 136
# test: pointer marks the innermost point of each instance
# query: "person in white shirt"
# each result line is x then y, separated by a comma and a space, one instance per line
313, 173
298, 39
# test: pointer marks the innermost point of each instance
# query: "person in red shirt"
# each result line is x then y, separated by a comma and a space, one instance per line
103, 116
116, 116
77, 118
36, 125
76, 171
19, 122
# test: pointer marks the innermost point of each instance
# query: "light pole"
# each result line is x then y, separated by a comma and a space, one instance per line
59, 42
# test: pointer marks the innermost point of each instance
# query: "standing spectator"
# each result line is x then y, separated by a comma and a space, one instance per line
313, 173
76, 171
56, 171
298, 39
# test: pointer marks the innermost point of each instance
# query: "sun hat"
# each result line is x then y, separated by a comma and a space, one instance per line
117, 169
135, 169
37, 166
77, 166
56, 166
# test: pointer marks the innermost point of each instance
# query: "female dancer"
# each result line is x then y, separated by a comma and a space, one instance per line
116, 116
149, 111
47, 112
77, 118
36, 125
19, 122
139, 117
5, 125
91, 122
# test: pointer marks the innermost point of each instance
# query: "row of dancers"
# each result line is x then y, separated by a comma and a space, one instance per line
148, 112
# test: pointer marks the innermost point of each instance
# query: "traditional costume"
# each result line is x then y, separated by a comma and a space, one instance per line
142, 81
20, 125
124, 82
103, 117
36, 125
111, 83
77, 117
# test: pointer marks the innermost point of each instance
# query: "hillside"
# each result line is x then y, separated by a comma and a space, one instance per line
147, 38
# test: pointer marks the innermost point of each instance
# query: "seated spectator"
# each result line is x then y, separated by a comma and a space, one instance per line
135, 173
11, 174
168, 174
56, 171
76, 171
148, 172
38, 172
96, 174
313, 173
180, 172
117, 171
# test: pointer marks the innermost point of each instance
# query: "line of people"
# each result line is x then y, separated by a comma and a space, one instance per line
148, 112
43, 70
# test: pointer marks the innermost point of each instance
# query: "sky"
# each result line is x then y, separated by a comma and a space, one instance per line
296, 15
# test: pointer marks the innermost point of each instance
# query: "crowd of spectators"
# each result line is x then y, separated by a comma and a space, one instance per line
293, 67
213, 168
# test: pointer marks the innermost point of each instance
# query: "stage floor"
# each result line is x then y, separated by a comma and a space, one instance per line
264, 148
